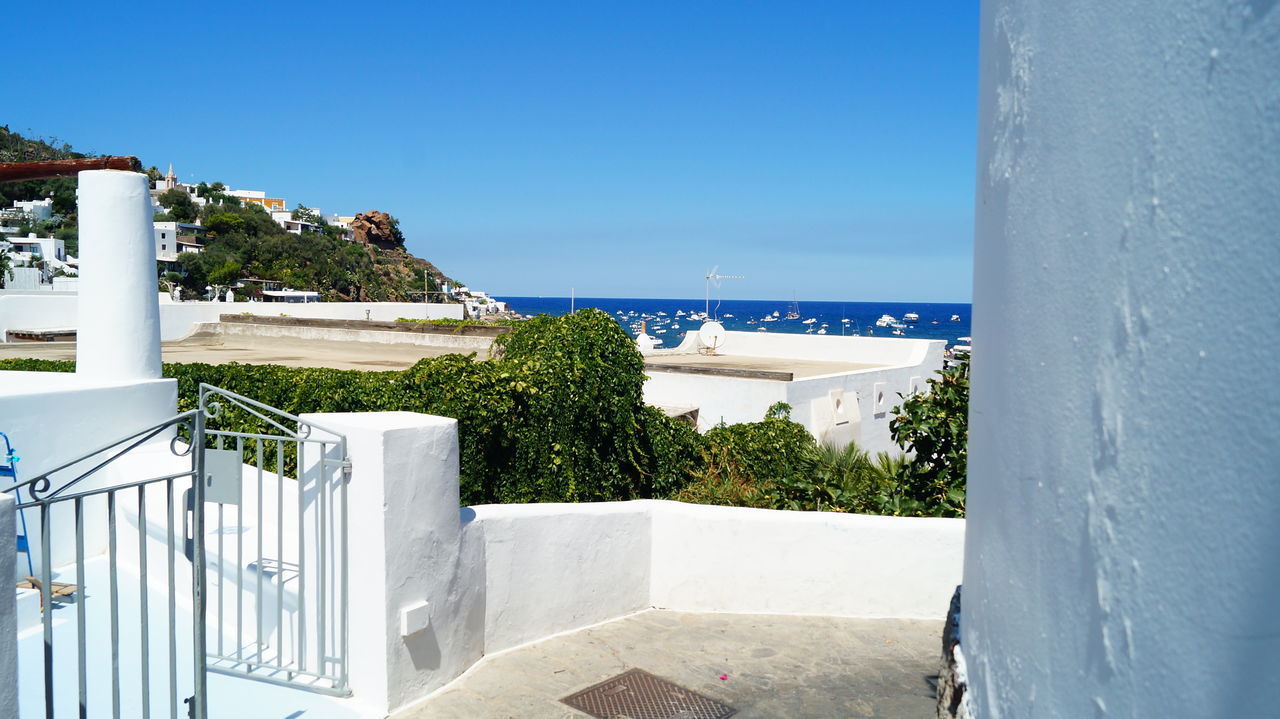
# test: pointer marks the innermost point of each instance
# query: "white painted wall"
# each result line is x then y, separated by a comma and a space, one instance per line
552, 567
906, 365
761, 561
729, 399
178, 319
497, 576
54, 417
1122, 541
831, 348
8, 613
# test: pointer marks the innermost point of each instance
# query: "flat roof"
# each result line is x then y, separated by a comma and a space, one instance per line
782, 369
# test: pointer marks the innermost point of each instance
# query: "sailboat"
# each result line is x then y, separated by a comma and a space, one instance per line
794, 312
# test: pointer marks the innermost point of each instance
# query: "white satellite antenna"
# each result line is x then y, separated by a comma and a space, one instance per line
713, 277
711, 335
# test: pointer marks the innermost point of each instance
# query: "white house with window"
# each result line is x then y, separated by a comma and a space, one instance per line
173, 238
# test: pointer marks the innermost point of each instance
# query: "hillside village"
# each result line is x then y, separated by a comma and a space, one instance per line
213, 242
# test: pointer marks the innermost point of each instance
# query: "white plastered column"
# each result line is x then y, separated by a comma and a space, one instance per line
416, 598
1123, 552
118, 333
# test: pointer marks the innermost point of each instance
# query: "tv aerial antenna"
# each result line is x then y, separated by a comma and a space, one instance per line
713, 277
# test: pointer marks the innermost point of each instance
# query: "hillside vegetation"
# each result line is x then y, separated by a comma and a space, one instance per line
243, 241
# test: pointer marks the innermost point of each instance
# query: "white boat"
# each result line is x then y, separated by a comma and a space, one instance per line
898, 331
769, 318
675, 325
762, 329
810, 321
794, 312
775, 314
728, 316
955, 318
910, 317
886, 320
822, 331
679, 313
659, 331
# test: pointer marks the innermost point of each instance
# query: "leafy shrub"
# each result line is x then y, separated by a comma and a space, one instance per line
557, 415
747, 464
842, 479
934, 427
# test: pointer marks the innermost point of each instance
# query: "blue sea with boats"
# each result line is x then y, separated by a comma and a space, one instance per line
669, 319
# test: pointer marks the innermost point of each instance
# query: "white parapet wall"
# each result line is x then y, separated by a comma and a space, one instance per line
178, 319
436, 588
836, 407
52, 418
1123, 545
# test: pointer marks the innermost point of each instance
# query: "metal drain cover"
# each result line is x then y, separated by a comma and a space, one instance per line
637, 694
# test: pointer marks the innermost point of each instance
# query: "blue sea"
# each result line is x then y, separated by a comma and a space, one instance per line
747, 315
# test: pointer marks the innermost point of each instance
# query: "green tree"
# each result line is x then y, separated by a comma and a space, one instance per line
179, 204
225, 274
934, 428
6, 268
306, 214
224, 223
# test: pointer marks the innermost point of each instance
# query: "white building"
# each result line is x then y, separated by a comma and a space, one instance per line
174, 238
285, 219
26, 249
170, 182
842, 389
24, 212
35, 209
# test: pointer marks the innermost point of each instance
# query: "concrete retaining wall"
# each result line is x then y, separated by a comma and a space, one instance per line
461, 343
178, 319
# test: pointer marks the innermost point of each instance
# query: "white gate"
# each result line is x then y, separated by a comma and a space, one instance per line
148, 580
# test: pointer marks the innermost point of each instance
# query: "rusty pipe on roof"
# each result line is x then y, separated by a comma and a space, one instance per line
20, 171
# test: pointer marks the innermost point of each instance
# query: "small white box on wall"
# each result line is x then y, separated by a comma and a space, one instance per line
415, 618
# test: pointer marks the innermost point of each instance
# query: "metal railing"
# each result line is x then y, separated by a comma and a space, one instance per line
67, 489
266, 586
278, 587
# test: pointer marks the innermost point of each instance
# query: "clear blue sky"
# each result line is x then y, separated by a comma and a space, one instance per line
825, 148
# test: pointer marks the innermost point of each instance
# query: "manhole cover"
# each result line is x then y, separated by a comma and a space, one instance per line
637, 694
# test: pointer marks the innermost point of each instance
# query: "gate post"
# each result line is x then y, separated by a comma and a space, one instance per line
416, 606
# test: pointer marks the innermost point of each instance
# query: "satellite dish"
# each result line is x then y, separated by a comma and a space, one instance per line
712, 335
